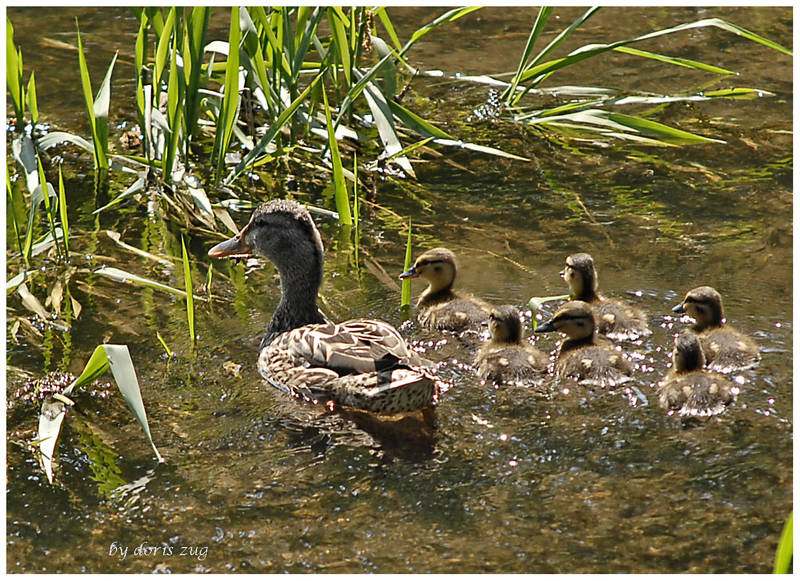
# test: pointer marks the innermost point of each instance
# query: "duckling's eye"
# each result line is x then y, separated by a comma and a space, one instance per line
437, 268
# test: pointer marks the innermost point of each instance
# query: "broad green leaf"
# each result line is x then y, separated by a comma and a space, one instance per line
389, 69
101, 106
25, 154
124, 373
385, 124
387, 24
163, 49
56, 137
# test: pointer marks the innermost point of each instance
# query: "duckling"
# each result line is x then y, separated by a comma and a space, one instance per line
439, 306
688, 388
725, 348
506, 358
363, 363
615, 319
585, 356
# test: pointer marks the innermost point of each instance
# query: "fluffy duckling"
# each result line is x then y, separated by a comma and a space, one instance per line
363, 364
585, 356
725, 348
615, 319
439, 306
506, 358
688, 388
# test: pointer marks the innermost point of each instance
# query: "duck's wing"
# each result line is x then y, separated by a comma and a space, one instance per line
358, 346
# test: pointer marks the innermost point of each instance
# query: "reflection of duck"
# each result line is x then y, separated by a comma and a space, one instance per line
439, 306
614, 318
506, 358
725, 348
363, 363
688, 388
584, 355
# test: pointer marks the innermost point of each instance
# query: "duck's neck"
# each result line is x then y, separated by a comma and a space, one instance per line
298, 305
584, 288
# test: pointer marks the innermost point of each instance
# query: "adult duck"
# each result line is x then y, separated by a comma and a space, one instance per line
363, 363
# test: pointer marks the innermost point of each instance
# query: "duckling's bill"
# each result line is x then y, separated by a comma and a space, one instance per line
410, 273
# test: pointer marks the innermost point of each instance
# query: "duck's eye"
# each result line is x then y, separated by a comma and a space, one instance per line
437, 268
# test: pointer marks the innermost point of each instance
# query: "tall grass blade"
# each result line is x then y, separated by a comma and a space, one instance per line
33, 105
230, 101
126, 277
187, 281
14, 74
681, 62
355, 191
12, 208
536, 32
273, 130
47, 192
62, 210
783, 555
102, 104
387, 24
193, 51
100, 161
340, 42
444, 18
340, 187
175, 93
162, 50
405, 287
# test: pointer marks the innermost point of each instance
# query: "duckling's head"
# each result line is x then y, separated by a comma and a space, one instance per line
283, 232
574, 319
505, 325
437, 266
580, 275
687, 355
704, 305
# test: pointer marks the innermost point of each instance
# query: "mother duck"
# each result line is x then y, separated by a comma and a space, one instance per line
362, 363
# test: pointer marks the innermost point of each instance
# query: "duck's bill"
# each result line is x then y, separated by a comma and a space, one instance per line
233, 248
410, 273
545, 327
679, 308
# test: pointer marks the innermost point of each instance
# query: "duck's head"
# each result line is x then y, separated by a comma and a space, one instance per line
437, 266
687, 354
580, 275
283, 232
704, 305
505, 325
574, 319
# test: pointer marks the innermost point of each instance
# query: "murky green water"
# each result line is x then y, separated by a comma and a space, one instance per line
507, 482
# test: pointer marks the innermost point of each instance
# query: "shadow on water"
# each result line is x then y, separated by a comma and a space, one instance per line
497, 479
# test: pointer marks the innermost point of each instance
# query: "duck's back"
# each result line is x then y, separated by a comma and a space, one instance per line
726, 349
696, 393
515, 363
618, 320
593, 364
453, 312
363, 363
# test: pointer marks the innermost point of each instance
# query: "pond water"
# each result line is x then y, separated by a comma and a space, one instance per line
505, 482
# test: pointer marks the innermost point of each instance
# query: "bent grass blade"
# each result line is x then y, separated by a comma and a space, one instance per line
105, 357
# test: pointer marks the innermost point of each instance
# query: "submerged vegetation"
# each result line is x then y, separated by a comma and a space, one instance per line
319, 88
